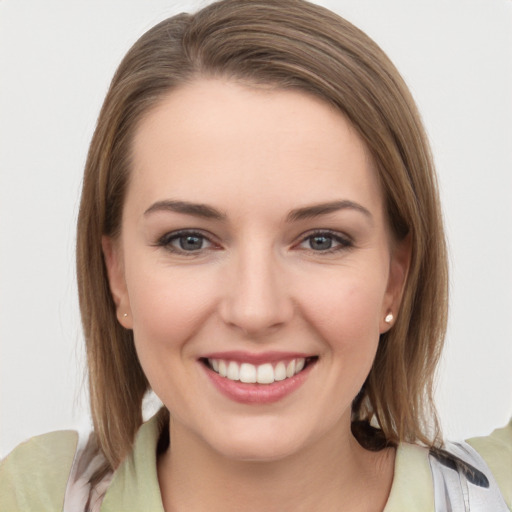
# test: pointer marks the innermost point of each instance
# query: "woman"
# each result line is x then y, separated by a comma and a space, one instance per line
260, 242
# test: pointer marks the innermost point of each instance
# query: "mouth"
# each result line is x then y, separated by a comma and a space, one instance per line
265, 373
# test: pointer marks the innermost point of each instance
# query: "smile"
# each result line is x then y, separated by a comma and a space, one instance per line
262, 378
266, 373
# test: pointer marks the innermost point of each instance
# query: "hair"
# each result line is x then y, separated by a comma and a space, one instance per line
287, 45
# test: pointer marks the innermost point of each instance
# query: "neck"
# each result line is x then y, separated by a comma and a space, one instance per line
335, 473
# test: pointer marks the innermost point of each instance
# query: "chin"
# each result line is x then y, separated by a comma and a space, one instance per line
261, 443
257, 451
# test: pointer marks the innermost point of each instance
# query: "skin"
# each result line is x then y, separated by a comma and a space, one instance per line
259, 282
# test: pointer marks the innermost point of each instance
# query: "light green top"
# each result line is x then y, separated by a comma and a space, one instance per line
33, 477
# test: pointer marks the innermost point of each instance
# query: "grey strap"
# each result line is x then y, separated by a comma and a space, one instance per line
463, 482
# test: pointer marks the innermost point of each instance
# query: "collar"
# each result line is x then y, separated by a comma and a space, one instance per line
135, 483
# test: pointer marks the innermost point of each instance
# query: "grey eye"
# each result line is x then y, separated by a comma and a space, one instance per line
325, 242
320, 242
185, 242
190, 242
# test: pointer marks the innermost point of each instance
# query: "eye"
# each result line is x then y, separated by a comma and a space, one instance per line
325, 241
320, 242
185, 242
190, 242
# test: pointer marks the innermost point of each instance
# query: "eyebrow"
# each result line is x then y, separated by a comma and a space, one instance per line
196, 209
316, 210
208, 212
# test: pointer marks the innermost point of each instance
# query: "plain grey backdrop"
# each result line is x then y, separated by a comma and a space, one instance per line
56, 61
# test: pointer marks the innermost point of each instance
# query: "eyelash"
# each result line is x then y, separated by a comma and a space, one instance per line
343, 242
166, 242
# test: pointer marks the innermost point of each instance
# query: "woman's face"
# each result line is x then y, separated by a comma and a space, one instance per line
254, 246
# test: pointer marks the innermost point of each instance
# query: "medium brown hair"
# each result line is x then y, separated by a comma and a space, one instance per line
286, 44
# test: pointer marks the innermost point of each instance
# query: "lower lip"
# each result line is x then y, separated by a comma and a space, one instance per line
257, 393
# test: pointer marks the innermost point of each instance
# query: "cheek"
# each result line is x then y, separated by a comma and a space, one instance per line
346, 312
168, 309
169, 306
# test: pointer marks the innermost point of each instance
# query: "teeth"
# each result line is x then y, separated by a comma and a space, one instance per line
262, 374
265, 374
233, 371
290, 369
280, 371
248, 373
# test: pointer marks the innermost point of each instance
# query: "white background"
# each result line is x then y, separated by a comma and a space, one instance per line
56, 61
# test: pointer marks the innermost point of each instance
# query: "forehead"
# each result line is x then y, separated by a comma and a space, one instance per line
216, 138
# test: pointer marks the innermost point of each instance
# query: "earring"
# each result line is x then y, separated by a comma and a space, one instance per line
125, 315
389, 318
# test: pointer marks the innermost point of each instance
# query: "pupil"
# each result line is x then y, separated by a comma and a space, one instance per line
191, 243
321, 242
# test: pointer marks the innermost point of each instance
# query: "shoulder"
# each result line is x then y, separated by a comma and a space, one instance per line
436, 479
33, 477
412, 481
496, 450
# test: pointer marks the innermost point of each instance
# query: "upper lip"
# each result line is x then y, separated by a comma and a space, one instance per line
256, 358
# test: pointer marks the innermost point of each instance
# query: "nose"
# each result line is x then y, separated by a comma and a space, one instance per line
256, 299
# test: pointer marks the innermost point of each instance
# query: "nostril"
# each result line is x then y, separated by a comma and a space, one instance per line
255, 297
255, 319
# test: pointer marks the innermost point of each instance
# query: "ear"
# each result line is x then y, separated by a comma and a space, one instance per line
398, 271
112, 252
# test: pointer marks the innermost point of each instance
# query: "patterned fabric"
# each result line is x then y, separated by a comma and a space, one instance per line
80, 495
52, 472
463, 482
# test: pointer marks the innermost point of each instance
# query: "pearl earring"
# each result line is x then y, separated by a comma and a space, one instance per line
389, 318
125, 315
